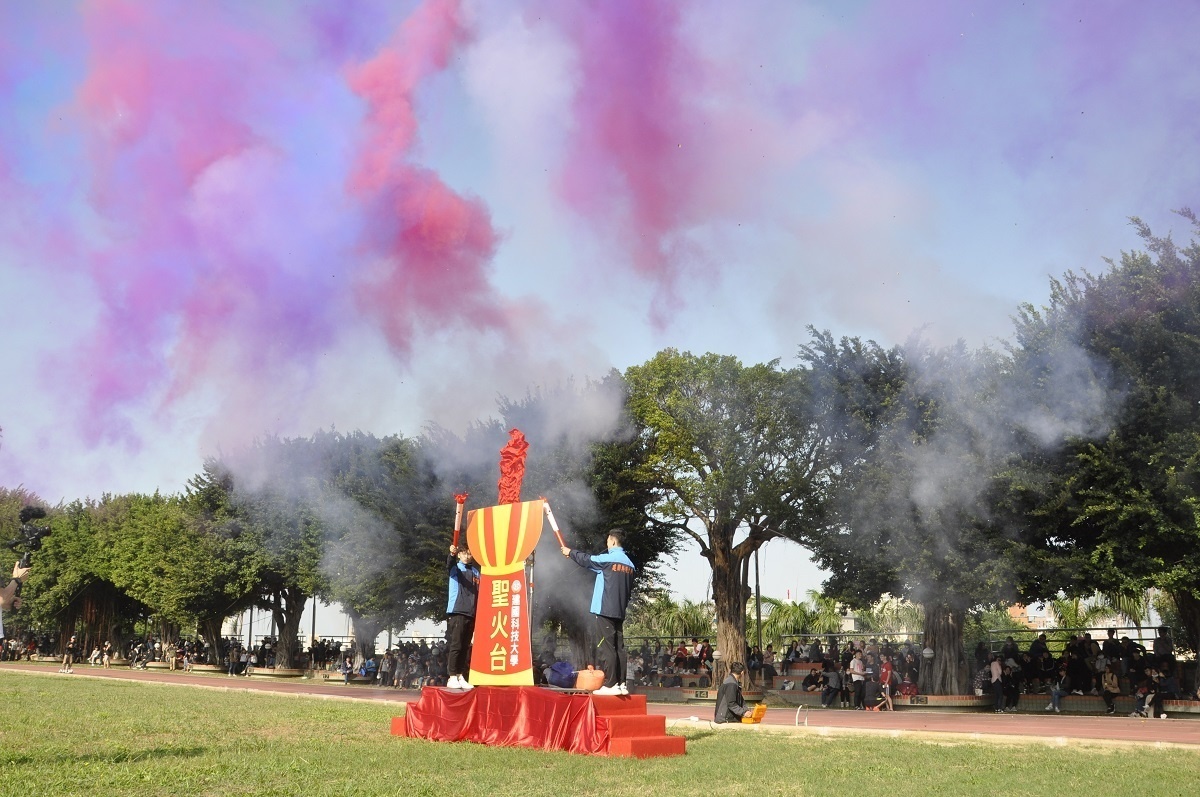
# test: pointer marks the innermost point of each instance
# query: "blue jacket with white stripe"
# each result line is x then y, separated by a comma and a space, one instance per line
464, 587
614, 580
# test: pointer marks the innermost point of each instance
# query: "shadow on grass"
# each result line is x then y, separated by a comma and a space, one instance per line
113, 757
694, 735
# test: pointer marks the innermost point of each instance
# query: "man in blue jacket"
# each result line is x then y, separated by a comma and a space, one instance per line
614, 583
460, 615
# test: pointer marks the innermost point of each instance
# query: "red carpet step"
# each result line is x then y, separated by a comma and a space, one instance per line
632, 732
537, 717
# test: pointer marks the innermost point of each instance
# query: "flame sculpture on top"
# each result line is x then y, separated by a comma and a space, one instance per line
501, 538
512, 467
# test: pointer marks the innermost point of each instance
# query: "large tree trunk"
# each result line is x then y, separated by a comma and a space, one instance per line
167, 632
99, 616
948, 672
1188, 606
729, 603
210, 632
287, 607
366, 631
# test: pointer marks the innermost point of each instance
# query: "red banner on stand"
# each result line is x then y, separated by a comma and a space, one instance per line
501, 538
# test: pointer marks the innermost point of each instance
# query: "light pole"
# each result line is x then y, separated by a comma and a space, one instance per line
757, 601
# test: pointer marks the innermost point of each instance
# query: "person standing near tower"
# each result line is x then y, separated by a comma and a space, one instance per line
460, 615
610, 596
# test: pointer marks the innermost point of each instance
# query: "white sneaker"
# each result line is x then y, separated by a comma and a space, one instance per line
1050, 707
607, 690
625, 690
1162, 716
464, 684
452, 682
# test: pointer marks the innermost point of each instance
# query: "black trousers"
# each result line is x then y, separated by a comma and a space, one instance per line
459, 629
611, 656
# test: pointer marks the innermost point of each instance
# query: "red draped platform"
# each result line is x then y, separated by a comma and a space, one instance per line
532, 716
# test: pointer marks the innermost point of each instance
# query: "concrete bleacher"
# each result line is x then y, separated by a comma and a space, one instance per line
780, 697
1028, 704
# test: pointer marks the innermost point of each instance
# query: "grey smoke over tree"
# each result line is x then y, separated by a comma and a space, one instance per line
272, 513
1119, 511
583, 457
378, 504
366, 522
923, 437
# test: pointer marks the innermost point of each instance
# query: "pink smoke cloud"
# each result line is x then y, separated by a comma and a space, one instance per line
672, 136
236, 225
637, 144
432, 246
158, 110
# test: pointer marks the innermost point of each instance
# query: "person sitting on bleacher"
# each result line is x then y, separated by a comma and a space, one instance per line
1110, 688
1047, 672
1149, 696
1009, 650
681, 656
832, 686
1059, 689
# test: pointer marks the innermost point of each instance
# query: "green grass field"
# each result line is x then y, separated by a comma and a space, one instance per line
78, 736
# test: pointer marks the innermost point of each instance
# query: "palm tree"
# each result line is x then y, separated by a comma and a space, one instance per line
663, 617
647, 614
1075, 613
784, 619
1131, 604
891, 616
828, 614
695, 618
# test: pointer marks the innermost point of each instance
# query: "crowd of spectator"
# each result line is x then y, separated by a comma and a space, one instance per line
1084, 666
860, 674
411, 664
853, 673
178, 654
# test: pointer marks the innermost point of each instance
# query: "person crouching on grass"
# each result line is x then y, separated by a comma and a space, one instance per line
731, 705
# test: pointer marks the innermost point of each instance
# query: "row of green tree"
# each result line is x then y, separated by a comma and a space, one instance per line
356, 520
1061, 462
777, 622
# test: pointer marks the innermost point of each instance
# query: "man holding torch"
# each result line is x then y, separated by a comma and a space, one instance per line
460, 608
610, 596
